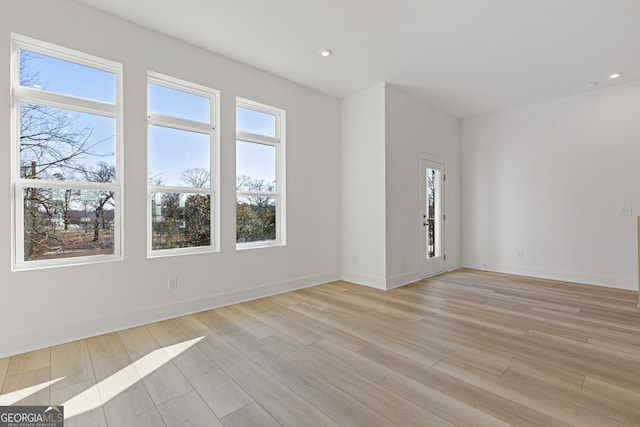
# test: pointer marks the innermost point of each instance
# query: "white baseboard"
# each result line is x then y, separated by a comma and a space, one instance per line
403, 279
386, 283
365, 280
629, 283
50, 336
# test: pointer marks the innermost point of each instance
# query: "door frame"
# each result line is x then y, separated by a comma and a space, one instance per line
430, 267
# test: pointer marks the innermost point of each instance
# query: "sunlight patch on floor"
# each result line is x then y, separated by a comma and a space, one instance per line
18, 395
112, 386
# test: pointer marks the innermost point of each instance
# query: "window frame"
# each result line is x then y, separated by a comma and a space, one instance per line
211, 129
26, 95
279, 143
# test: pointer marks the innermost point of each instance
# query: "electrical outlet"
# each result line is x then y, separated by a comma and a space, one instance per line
625, 210
172, 284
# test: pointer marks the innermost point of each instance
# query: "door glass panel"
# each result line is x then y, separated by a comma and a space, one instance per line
433, 216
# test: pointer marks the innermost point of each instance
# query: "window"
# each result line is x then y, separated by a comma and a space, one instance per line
66, 161
182, 180
260, 174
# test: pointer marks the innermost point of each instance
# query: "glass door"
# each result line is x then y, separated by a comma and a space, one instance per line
432, 248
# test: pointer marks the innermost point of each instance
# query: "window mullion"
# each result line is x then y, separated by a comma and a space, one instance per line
177, 123
25, 95
256, 193
253, 137
41, 183
190, 190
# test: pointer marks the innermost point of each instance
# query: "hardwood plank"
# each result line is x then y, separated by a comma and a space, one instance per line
285, 300
272, 317
620, 394
166, 383
559, 390
341, 407
31, 361
132, 408
536, 400
188, 410
24, 380
216, 322
159, 375
336, 335
108, 355
188, 325
221, 393
82, 404
478, 397
364, 330
250, 415
4, 365
71, 362
473, 350
309, 300
400, 409
138, 342
391, 385
555, 357
167, 333
615, 345
597, 353
369, 303
283, 404
246, 322
335, 301
193, 363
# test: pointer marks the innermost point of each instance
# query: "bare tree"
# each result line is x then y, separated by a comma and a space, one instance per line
52, 140
102, 173
196, 178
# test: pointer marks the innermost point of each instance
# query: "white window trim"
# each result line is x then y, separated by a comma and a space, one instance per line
211, 129
20, 94
279, 142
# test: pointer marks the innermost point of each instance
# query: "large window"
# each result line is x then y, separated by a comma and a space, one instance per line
260, 174
182, 180
66, 164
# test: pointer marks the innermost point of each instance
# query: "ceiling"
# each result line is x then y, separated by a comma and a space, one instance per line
466, 57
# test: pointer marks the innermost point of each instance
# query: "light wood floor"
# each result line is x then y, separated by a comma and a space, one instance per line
464, 348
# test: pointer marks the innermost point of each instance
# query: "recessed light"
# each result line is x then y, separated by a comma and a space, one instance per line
326, 52
615, 75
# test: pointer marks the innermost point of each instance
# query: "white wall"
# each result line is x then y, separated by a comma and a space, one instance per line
363, 187
415, 129
546, 182
384, 133
39, 308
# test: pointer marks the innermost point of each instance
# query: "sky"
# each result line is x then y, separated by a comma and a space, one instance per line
170, 151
